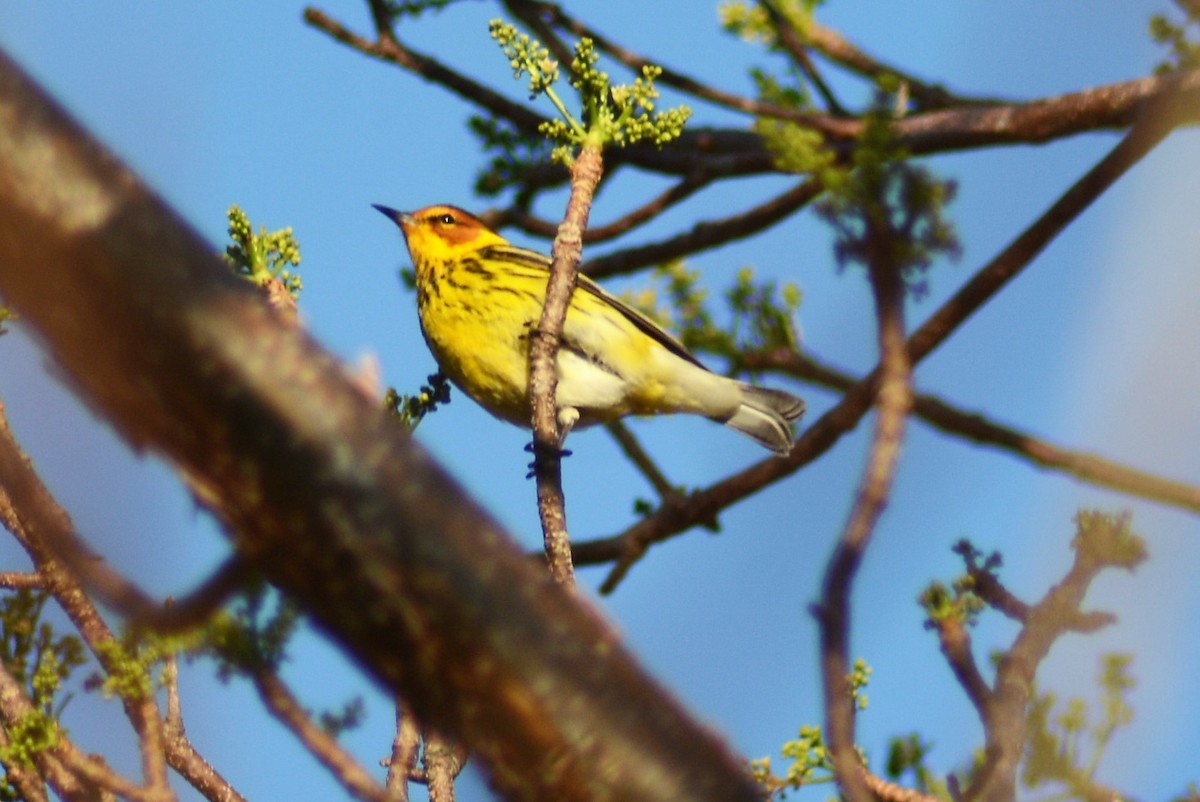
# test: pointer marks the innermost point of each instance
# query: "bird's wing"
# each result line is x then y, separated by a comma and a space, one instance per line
647, 326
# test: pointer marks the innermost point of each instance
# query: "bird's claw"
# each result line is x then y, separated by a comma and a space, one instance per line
544, 453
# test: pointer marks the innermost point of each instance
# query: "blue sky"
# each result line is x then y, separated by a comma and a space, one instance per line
1093, 347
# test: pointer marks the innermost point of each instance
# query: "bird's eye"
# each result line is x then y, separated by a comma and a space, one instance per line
447, 220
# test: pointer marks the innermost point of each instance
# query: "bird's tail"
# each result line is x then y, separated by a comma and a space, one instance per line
766, 416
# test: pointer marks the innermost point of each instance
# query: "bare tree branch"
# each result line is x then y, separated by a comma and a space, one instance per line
406, 745
549, 431
30, 513
283, 705
443, 761
72, 774
885, 791
388, 48
1099, 544
955, 642
840, 50
531, 224
978, 428
705, 235
893, 399
19, 580
795, 45
727, 153
629, 546
637, 455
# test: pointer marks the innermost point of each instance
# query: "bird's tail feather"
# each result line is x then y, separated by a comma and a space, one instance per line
765, 415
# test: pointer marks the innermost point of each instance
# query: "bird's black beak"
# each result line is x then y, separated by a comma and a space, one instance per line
391, 214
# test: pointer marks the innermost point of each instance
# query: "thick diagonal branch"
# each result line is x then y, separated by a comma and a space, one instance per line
321, 491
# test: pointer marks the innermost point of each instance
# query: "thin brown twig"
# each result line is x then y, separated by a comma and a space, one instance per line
1148, 131
679, 80
796, 46
1108, 107
383, 19
406, 745
173, 723
884, 791
893, 400
627, 222
998, 597
548, 430
840, 50
1099, 543
72, 774
706, 234
955, 642
36, 520
45, 531
126, 598
153, 747
644, 462
978, 428
628, 547
182, 755
443, 760
21, 580
388, 48
283, 705
188, 763
96, 772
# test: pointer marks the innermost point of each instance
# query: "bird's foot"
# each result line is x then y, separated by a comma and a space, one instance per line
549, 455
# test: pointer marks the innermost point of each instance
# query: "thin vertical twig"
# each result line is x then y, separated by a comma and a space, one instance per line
893, 400
543, 348
405, 747
443, 760
173, 726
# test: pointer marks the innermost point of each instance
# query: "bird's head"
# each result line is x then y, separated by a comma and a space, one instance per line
441, 233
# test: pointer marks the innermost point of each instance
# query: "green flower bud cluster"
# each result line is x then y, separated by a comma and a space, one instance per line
263, 256
619, 115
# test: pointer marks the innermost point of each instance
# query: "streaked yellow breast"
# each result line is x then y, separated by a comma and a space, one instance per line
477, 311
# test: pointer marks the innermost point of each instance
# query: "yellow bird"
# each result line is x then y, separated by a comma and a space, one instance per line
478, 296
